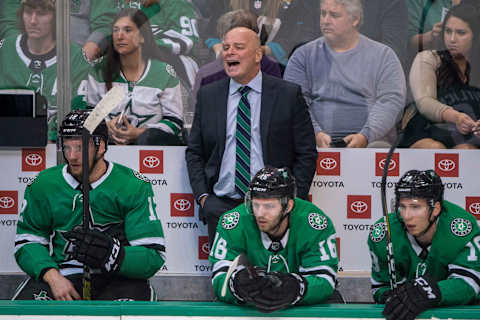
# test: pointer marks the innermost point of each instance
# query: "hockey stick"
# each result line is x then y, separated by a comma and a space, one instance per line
107, 104
390, 257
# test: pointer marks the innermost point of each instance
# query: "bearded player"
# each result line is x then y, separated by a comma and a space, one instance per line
290, 243
124, 245
436, 250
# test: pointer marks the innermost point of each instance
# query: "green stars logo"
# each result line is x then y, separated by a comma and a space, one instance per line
230, 220
461, 227
317, 221
378, 232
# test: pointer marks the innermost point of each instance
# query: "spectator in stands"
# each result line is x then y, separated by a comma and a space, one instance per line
435, 247
446, 86
214, 71
386, 22
29, 60
354, 86
287, 23
152, 113
283, 237
174, 29
425, 18
123, 245
243, 123
90, 23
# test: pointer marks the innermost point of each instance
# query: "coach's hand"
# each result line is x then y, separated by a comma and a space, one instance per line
283, 290
412, 298
95, 249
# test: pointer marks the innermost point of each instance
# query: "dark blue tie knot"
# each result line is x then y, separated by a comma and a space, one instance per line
244, 90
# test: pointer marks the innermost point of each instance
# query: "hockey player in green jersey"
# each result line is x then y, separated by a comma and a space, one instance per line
123, 246
152, 113
290, 243
29, 60
435, 246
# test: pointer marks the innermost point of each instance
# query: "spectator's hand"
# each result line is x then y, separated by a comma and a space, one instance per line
266, 50
356, 140
202, 200
323, 140
124, 132
61, 287
217, 48
476, 129
464, 123
92, 51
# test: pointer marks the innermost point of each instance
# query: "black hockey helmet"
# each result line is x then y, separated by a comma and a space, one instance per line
72, 126
271, 182
420, 184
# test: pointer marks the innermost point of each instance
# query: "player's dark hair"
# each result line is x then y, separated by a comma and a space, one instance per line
48, 5
113, 64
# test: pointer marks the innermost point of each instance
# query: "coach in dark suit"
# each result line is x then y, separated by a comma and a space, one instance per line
275, 129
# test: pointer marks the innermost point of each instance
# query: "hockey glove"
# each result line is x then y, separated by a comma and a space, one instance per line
247, 282
95, 249
411, 299
283, 290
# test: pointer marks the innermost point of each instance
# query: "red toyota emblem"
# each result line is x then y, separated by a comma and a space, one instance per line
8, 202
328, 164
33, 159
151, 161
472, 205
182, 205
446, 164
203, 248
393, 166
359, 207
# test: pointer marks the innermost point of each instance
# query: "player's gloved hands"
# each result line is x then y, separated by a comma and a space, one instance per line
283, 290
246, 284
412, 298
95, 249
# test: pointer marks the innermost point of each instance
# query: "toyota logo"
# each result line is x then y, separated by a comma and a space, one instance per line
151, 162
182, 205
6, 202
446, 165
391, 165
33, 159
359, 206
205, 248
474, 208
328, 163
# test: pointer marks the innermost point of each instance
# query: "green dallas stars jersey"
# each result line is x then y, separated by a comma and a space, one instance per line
154, 101
173, 23
21, 70
453, 256
308, 248
120, 200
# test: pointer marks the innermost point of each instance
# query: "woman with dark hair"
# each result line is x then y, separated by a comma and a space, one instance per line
445, 86
152, 112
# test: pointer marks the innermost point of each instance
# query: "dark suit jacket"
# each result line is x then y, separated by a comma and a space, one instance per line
285, 126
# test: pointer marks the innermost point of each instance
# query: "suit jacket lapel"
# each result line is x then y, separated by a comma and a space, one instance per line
220, 109
268, 105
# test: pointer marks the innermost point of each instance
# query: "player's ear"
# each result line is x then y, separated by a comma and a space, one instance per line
290, 205
437, 208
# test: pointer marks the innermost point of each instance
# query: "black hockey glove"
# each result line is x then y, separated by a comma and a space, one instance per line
95, 249
283, 290
247, 282
412, 298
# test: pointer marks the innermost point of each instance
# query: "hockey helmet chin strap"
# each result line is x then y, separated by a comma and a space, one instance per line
430, 221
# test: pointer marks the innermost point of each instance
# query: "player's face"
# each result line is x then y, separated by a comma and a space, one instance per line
335, 22
126, 36
241, 54
268, 213
72, 149
458, 37
415, 213
38, 22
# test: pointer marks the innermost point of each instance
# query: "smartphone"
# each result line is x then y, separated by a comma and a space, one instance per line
338, 143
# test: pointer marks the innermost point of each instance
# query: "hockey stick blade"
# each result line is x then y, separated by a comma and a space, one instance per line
113, 97
241, 259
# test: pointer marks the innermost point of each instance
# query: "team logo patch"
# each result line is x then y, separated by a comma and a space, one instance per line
140, 176
171, 70
230, 220
461, 227
42, 295
378, 232
1, 43
317, 221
